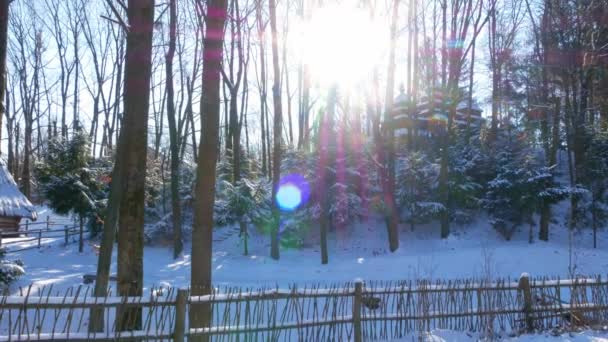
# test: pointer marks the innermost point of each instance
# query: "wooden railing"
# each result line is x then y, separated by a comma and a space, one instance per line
49, 230
355, 311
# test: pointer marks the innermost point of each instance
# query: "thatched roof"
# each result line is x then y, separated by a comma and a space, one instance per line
12, 202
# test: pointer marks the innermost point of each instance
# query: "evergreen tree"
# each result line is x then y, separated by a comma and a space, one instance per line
67, 181
596, 179
467, 174
520, 186
417, 187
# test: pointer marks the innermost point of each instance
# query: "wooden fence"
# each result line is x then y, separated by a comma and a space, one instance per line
355, 311
42, 230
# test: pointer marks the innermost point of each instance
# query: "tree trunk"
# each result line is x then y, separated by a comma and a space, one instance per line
202, 229
138, 67
389, 187
81, 234
173, 134
443, 188
108, 237
10, 133
75, 117
235, 136
27, 153
276, 162
444, 46
4, 7
495, 66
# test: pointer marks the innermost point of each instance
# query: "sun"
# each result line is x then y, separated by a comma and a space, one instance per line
341, 44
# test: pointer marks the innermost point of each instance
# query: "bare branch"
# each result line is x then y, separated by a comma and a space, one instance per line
117, 14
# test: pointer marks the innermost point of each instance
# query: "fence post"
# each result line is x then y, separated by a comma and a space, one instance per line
66, 235
80, 239
27, 225
39, 237
48, 222
357, 310
179, 331
524, 286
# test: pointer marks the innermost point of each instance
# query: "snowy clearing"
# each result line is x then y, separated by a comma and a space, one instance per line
360, 251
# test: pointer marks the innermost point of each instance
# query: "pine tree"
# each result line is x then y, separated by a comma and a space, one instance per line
417, 187
468, 172
68, 182
520, 187
596, 179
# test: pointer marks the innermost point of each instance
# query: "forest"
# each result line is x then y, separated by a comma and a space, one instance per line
160, 121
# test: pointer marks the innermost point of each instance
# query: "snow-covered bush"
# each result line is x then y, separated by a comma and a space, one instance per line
9, 270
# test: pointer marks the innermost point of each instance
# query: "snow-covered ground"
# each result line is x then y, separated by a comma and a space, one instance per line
453, 336
359, 251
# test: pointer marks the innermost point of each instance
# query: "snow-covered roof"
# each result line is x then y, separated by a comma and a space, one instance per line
464, 105
12, 202
401, 99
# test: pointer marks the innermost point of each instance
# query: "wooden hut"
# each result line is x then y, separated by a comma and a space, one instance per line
14, 206
430, 115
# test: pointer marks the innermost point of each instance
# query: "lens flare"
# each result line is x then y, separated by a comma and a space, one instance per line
293, 191
289, 197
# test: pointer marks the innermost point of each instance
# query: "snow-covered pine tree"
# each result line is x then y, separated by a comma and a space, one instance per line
67, 181
417, 187
469, 166
596, 180
519, 188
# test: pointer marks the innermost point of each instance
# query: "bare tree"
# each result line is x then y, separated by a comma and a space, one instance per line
174, 132
26, 57
98, 40
262, 87
67, 65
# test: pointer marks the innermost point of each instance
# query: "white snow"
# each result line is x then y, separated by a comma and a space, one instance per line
12, 202
453, 336
359, 251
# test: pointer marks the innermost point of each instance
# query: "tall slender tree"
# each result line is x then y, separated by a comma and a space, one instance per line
4, 7
389, 177
277, 129
174, 132
202, 230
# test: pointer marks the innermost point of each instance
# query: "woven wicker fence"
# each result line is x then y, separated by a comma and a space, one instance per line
353, 311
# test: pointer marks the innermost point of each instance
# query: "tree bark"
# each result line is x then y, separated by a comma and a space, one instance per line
389, 186
173, 133
276, 162
138, 68
202, 230
4, 8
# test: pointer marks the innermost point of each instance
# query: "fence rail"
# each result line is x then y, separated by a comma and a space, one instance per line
65, 232
355, 311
